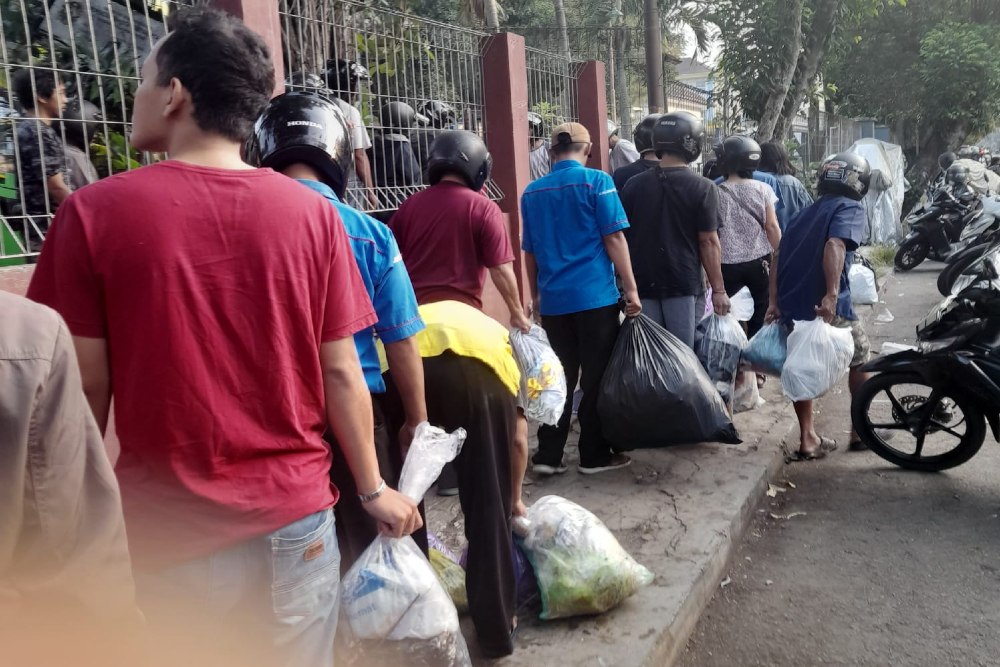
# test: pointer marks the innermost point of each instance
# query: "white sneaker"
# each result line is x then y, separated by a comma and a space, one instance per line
617, 461
547, 470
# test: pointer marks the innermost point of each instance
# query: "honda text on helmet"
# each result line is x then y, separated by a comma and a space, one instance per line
678, 133
846, 174
642, 135
461, 153
739, 154
302, 127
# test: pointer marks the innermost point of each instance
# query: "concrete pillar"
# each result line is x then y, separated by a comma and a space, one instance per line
592, 107
261, 16
505, 92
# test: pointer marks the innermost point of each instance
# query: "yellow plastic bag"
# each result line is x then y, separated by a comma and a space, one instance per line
452, 578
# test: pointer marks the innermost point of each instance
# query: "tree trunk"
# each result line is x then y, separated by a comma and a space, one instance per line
563, 28
814, 49
654, 57
784, 73
624, 108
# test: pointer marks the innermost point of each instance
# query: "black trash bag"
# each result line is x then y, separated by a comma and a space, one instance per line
655, 393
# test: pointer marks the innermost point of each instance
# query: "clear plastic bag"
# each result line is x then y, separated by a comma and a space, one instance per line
719, 344
394, 605
543, 381
580, 566
818, 356
864, 289
655, 393
741, 305
747, 395
766, 351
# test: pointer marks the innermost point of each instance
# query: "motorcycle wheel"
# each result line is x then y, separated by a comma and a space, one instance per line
931, 429
911, 254
946, 279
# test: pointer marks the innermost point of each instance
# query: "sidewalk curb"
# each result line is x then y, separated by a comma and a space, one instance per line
674, 637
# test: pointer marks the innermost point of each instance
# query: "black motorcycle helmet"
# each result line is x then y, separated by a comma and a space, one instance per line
642, 135
945, 160
440, 113
846, 174
957, 174
678, 133
303, 127
80, 121
461, 153
536, 127
343, 75
739, 155
308, 82
400, 116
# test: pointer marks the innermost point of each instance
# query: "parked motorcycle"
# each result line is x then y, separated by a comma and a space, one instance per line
937, 227
978, 237
927, 409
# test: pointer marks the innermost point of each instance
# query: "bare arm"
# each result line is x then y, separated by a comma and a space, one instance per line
834, 254
710, 250
773, 311
518, 464
617, 248
531, 267
407, 370
349, 413
95, 371
771, 228
58, 189
506, 283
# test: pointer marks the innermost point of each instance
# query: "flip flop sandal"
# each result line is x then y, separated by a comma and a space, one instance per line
826, 445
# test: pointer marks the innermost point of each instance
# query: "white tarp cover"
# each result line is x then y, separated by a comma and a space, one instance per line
884, 201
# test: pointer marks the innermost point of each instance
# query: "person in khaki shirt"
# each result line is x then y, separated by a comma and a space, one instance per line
64, 561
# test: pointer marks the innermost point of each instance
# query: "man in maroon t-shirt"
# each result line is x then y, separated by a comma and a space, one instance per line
217, 303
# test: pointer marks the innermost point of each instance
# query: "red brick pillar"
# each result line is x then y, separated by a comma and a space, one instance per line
592, 106
262, 17
505, 90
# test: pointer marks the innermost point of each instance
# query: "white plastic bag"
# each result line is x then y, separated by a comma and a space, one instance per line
580, 566
818, 355
719, 344
864, 289
741, 305
392, 600
543, 381
747, 395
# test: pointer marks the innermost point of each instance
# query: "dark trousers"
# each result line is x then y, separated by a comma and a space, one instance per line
752, 275
464, 392
583, 342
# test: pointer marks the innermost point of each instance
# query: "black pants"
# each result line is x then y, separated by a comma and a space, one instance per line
753, 275
464, 392
583, 342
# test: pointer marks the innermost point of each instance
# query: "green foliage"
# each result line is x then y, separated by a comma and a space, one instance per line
960, 72
112, 154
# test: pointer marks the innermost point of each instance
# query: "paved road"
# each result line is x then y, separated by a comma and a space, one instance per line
886, 567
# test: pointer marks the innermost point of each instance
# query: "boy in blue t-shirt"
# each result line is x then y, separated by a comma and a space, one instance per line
573, 244
810, 276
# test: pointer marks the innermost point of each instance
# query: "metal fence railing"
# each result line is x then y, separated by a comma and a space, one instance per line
374, 61
94, 49
552, 88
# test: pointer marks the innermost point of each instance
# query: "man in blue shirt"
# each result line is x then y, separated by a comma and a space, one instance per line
306, 138
573, 244
810, 275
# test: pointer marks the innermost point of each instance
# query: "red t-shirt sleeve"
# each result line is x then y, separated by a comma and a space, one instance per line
494, 240
348, 309
65, 278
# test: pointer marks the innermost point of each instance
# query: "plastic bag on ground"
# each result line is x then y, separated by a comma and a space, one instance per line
818, 356
719, 342
524, 575
766, 351
747, 395
452, 577
655, 393
864, 289
741, 305
392, 600
543, 381
580, 566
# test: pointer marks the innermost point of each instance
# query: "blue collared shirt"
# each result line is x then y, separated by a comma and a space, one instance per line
386, 280
566, 215
770, 180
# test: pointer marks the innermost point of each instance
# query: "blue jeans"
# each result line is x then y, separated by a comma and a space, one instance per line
272, 600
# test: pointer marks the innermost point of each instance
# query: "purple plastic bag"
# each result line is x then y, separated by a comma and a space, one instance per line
524, 574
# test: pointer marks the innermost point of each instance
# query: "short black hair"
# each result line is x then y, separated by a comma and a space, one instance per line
45, 85
225, 66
